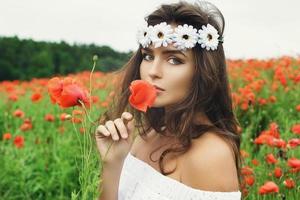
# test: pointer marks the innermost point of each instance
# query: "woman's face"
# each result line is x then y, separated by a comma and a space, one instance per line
169, 69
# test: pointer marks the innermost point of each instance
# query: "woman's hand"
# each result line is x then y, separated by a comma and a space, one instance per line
115, 138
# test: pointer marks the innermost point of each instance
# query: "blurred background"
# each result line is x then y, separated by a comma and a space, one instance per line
39, 38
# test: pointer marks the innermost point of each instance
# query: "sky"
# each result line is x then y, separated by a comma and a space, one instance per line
253, 28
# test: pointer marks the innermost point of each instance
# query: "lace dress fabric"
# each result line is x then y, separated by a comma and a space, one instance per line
140, 181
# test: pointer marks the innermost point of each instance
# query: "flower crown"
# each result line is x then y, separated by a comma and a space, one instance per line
183, 36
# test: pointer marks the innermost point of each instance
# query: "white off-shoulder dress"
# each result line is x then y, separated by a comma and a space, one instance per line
140, 181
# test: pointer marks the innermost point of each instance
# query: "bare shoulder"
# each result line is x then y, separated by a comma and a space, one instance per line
210, 165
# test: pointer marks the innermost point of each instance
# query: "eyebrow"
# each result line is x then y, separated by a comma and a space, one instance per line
166, 51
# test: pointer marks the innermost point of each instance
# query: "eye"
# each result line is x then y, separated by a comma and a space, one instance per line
176, 61
146, 56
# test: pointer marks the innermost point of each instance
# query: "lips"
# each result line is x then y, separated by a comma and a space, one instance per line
158, 88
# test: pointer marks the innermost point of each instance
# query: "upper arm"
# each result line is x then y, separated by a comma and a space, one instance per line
210, 165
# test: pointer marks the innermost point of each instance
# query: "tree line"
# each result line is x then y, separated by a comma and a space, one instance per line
24, 59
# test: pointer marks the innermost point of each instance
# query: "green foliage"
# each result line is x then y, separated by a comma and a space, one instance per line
27, 59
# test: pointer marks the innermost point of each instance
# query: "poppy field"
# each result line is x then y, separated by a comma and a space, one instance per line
47, 149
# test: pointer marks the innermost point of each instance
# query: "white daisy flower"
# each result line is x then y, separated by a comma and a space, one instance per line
161, 34
208, 37
143, 35
185, 37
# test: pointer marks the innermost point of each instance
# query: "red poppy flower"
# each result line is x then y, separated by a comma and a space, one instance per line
263, 139
246, 170
277, 172
36, 97
249, 180
76, 120
298, 108
255, 162
67, 92
268, 187
19, 113
289, 183
49, 118
280, 143
65, 116
294, 163
55, 87
77, 112
244, 153
271, 159
142, 95
19, 141
13, 97
296, 129
294, 142
6, 136
27, 125
71, 95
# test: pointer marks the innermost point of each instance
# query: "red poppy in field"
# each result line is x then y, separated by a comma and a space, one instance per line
294, 163
27, 125
271, 159
246, 170
289, 183
272, 99
274, 142
262, 101
298, 108
268, 187
19, 141
49, 118
95, 99
249, 180
19, 113
274, 130
71, 95
244, 153
263, 139
277, 172
67, 93
294, 142
77, 112
76, 120
65, 116
255, 162
143, 95
6, 136
81, 130
104, 104
296, 129
55, 87
36, 97
13, 97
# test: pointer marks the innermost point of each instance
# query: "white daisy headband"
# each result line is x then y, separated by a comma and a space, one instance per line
182, 37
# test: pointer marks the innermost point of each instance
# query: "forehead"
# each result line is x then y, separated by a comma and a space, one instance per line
168, 49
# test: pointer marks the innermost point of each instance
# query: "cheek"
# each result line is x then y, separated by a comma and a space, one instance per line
181, 86
143, 72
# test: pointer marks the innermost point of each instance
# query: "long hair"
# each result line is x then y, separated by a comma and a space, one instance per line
210, 92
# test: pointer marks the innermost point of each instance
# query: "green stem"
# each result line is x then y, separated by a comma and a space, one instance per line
86, 112
91, 74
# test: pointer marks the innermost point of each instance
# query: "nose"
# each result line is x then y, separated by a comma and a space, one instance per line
156, 69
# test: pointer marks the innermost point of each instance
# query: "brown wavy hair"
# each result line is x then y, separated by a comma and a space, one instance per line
210, 92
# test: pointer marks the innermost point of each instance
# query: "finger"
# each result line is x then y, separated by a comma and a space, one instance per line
121, 127
126, 116
112, 129
102, 130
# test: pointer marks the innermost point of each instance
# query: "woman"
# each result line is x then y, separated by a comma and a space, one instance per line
186, 145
